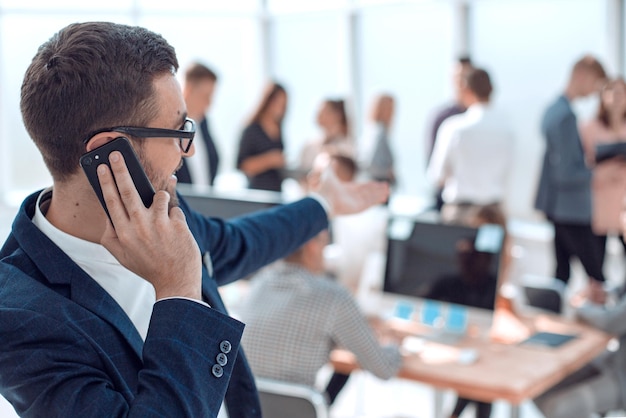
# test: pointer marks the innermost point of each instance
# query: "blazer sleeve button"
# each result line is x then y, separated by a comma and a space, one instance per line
225, 347
217, 371
221, 359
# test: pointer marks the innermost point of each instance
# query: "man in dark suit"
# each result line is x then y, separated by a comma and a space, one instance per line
123, 317
564, 192
198, 93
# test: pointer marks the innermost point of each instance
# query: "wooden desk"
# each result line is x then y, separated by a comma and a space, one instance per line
503, 370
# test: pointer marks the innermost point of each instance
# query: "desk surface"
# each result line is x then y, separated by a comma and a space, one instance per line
504, 369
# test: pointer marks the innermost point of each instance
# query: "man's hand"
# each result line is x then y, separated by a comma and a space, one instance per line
154, 243
346, 198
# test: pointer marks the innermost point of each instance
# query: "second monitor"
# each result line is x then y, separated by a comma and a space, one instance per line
448, 263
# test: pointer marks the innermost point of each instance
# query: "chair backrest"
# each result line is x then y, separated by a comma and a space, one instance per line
544, 293
288, 400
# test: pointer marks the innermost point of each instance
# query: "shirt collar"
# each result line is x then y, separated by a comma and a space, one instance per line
78, 249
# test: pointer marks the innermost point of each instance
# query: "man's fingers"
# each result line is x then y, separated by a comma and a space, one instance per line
125, 185
160, 202
110, 193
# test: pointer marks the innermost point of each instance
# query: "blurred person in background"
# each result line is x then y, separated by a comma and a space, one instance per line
354, 237
461, 66
564, 192
375, 155
599, 386
260, 156
198, 92
332, 118
295, 316
473, 153
608, 183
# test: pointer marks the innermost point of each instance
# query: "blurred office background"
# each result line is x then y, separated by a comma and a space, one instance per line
337, 48
352, 49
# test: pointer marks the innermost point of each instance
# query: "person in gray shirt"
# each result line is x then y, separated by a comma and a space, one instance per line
295, 316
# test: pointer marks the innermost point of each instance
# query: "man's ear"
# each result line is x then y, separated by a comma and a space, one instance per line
100, 139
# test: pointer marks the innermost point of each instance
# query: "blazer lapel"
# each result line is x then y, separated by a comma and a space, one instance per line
66, 277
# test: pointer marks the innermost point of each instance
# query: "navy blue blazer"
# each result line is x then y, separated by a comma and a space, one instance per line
67, 349
564, 192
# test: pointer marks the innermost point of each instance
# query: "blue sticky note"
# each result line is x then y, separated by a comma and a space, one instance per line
456, 320
431, 312
403, 310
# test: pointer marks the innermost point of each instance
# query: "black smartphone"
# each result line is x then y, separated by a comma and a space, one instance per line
91, 160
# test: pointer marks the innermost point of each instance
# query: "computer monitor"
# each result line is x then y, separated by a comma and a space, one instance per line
227, 205
448, 263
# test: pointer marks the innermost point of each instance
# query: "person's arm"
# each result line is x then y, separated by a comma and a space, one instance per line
253, 156
438, 168
242, 245
351, 331
52, 367
588, 139
257, 164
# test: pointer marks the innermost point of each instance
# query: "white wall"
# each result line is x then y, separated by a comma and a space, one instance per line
318, 49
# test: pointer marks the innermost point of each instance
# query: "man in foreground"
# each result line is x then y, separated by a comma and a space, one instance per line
124, 318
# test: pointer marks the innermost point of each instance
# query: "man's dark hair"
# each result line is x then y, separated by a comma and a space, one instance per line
90, 76
478, 81
199, 72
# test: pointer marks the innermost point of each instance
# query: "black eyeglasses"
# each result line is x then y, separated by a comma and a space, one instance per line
185, 134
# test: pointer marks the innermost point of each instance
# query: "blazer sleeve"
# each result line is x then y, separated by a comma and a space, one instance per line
242, 245
57, 370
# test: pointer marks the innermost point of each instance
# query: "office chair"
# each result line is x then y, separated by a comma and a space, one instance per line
288, 400
544, 292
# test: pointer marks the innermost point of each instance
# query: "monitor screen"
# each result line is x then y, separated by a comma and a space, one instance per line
448, 263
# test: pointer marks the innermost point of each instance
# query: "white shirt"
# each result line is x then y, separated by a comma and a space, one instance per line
198, 164
472, 156
135, 295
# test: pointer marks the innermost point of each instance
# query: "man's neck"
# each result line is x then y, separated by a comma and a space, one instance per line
75, 210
